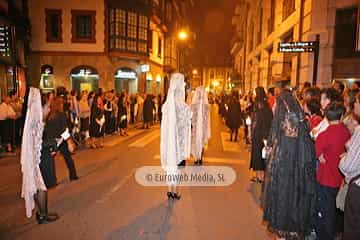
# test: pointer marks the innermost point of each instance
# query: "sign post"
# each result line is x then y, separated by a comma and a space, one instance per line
304, 47
316, 59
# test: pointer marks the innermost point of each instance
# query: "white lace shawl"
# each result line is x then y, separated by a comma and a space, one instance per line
31, 151
201, 130
175, 139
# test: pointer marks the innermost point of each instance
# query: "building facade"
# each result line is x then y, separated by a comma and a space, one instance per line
14, 29
105, 44
261, 25
217, 79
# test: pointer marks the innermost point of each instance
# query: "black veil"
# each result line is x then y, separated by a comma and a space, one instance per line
289, 192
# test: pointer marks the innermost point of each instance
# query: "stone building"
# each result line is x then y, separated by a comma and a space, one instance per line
14, 37
217, 79
261, 25
109, 44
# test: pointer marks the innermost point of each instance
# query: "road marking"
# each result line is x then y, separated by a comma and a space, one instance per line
217, 160
229, 146
116, 188
117, 140
148, 138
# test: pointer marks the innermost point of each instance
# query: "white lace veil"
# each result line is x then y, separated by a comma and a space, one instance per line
175, 125
31, 151
201, 130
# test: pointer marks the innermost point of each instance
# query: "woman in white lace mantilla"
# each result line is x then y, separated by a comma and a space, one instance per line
34, 189
201, 130
175, 131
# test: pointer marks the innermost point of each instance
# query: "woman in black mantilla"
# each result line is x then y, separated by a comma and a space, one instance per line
290, 173
261, 128
233, 118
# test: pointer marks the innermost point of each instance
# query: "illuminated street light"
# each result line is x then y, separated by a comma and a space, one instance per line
183, 35
195, 71
215, 83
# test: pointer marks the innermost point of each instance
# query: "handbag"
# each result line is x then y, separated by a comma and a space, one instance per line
50, 144
341, 195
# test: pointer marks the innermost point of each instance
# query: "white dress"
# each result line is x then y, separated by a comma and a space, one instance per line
175, 126
31, 151
201, 130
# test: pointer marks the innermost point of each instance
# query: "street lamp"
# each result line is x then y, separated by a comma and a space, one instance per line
183, 35
195, 72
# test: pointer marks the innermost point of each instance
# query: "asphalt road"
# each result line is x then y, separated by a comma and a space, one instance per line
107, 203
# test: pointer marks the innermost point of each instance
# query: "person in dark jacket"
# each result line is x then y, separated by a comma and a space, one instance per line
149, 107
260, 131
233, 118
122, 115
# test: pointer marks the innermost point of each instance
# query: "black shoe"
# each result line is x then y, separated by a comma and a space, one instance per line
196, 163
74, 178
176, 196
169, 195
51, 217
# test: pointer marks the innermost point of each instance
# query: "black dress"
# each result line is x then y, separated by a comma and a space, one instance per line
95, 130
148, 110
261, 129
53, 129
122, 115
290, 182
233, 118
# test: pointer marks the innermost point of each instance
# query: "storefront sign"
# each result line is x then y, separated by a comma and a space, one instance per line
145, 68
297, 47
5, 50
126, 75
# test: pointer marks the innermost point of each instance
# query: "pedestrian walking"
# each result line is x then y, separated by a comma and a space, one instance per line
97, 121
290, 183
34, 186
200, 130
260, 131
148, 110
350, 167
84, 114
122, 115
233, 116
175, 133
7, 123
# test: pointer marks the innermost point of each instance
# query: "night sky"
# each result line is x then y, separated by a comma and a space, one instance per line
211, 22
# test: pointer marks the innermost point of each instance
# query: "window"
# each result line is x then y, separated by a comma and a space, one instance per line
271, 20
83, 26
288, 8
260, 27
159, 47
53, 25
345, 33
169, 11
251, 37
129, 31
151, 41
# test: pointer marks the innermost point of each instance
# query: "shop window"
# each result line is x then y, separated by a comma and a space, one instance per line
53, 25
129, 31
83, 26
